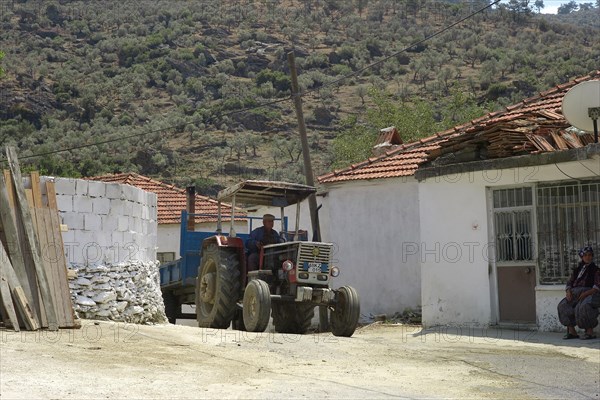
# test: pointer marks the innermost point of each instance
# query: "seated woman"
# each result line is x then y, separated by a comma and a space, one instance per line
577, 308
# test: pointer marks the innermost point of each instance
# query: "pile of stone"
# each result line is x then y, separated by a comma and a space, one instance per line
127, 292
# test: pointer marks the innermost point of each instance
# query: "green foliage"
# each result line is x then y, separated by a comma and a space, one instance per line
279, 80
1, 69
568, 8
413, 120
104, 70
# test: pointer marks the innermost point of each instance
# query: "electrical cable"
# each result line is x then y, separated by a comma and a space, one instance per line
384, 59
589, 169
564, 173
150, 131
355, 73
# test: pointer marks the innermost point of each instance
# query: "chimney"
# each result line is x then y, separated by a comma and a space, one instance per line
388, 139
190, 207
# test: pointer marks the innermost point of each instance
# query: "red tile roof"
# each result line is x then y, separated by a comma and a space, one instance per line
171, 200
534, 125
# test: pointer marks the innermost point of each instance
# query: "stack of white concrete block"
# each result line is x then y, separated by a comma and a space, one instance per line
107, 222
111, 242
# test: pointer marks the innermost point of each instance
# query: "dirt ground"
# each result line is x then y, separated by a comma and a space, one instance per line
111, 360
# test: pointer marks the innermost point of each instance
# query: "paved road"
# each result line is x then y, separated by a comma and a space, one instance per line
105, 360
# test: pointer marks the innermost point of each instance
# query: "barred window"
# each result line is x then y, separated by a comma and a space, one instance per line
512, 224
568, 218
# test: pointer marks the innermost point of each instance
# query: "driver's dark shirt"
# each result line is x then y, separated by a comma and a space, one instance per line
261, 235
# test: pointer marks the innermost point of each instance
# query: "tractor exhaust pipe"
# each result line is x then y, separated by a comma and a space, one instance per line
190, 207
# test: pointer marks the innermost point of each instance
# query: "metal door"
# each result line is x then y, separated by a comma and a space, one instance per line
514, 254
516, 294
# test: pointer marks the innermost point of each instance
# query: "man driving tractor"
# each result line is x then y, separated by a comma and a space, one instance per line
260, 237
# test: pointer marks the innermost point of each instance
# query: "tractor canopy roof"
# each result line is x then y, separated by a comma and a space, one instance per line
266, 193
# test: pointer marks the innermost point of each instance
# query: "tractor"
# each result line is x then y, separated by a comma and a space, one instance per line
292, 279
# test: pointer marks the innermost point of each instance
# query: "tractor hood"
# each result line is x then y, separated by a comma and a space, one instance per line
266, 193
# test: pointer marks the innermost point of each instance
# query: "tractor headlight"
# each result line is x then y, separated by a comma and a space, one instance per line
335, 271
287, 265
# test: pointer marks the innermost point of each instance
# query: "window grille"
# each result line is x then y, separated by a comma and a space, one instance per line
568, 218
512, 224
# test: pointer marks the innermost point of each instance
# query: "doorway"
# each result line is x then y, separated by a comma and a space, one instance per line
513, 228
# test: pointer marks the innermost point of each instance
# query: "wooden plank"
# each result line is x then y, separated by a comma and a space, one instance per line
7, 304
40, 219
51, 193
32, 283
10, 188
67, 312
36, 189
14, 245
40, 233
23, 306
53, 255
25, 310
25, 215
29, 196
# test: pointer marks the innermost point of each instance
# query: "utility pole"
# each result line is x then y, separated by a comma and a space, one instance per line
308, 172
310, 180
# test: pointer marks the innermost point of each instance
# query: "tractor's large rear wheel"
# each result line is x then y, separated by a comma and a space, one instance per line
257, 306
292, 317
344, 317
217, 287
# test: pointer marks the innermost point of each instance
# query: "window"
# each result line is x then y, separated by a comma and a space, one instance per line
165, 257
512, 224
568, 218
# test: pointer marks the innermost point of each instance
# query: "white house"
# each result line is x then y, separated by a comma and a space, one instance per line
171, 201
478, 225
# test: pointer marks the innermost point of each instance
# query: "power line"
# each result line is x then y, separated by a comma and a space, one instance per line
306, 92
221, 115
384, 59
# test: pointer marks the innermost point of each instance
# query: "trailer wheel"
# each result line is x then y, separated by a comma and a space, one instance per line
172, 306
293, 317
217, 287
257, 306
344, 317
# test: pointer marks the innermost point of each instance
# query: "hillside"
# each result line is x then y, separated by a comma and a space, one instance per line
164, 74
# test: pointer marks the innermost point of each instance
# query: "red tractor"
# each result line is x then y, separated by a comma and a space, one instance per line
292, 279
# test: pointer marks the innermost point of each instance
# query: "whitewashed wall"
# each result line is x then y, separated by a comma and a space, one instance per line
453, 218
374, 225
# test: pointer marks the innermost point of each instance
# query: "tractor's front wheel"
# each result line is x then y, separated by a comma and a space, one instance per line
257, 306
217, 287
344, 317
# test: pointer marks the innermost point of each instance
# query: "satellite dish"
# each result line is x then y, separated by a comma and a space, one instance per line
577, 103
